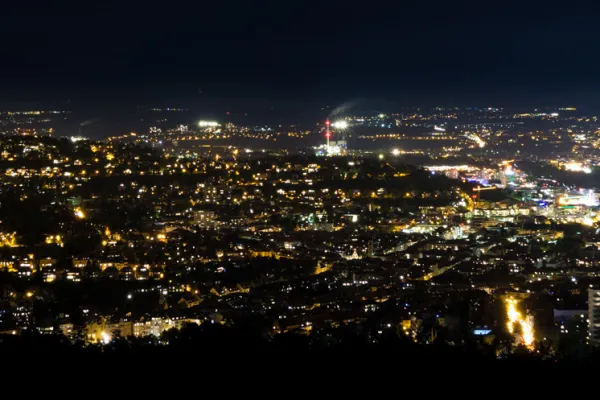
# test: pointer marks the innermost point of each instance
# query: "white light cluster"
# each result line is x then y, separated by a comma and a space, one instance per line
577, 167
204, 124
334, 150
340, 124
588, 199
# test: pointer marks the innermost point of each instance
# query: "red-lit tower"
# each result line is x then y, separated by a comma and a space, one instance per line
327, 132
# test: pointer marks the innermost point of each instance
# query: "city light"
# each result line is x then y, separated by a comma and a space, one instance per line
79, 213
577, 167
131, 210
205, 124
334, 150
105, 337
515, 318
477, 140
340, 124
588, 199
509, 171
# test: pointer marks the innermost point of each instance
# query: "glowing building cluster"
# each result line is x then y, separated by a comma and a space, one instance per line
515, 319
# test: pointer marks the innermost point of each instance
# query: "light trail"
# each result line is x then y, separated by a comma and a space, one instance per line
514, 318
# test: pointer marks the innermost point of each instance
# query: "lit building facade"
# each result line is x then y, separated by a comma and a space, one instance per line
594, 316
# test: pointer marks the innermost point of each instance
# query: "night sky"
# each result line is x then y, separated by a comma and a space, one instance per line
240, 53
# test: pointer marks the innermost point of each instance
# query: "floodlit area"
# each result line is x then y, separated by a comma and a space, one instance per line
519, 325
578, 167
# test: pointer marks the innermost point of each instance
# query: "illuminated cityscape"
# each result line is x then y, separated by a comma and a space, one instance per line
336, 179
182, 227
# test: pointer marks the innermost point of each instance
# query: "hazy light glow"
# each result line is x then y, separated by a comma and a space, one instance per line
588, 199
340, 124
204, 124
588, 221
105, 338
577, 167
509, 171
395, 152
